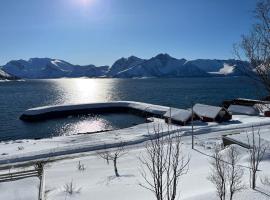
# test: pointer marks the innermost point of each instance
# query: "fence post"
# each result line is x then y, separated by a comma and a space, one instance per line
41, 173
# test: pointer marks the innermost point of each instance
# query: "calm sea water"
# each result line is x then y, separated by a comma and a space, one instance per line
15, 97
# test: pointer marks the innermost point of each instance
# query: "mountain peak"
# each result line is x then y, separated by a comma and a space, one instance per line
163, 56
162, 65
123, 64
133, 58
49, 68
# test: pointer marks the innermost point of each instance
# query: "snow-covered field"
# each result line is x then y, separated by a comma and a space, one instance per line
25, 150
98, 181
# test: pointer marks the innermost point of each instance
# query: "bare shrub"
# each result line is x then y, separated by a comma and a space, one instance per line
256, 153
163, 165
81, 166
70, 188
218, 173
234, 172
20, 148
226, 173
113, 156
105, 155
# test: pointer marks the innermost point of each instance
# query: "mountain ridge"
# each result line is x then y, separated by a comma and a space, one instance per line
161, 65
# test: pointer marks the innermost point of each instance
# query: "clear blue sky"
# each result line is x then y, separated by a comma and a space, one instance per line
101, 31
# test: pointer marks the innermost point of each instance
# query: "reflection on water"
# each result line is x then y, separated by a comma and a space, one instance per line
90, 123
83, 90
15, 97
84, 125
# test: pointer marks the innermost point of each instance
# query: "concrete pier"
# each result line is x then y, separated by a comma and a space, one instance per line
49, 112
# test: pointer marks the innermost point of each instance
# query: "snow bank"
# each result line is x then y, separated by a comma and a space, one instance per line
51, 111
66, 145
98, 180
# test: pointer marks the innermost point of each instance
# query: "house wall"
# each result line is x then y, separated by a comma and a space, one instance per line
207, 119
175, 121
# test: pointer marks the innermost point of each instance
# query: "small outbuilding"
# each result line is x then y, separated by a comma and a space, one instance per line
209, 113
178, 116
244, 102
244, 110
263, 107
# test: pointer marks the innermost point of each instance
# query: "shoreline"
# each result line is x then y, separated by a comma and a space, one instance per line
19, 151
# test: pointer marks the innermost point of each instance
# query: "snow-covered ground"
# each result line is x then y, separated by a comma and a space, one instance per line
25, 150
24, 189
97, 181
247, 137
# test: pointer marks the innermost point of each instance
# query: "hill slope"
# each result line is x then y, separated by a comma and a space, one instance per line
51, 68
6, 76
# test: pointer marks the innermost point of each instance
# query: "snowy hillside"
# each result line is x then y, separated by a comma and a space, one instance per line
225, 70
5, 76
220, 67
162, 65
50, 68
123, 64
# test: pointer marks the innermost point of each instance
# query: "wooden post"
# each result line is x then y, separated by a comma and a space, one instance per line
192, 128
170, 118
41, 183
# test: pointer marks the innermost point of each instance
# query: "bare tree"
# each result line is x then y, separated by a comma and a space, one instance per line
163, 165
234, 172
218, 173
113, 156
226, 173
105, 155
256, 45
256, 153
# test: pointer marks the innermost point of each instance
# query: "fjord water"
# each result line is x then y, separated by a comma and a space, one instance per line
17, 96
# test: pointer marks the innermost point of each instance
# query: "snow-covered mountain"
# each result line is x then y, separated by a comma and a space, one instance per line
51, 68
162, 65
6, 76
229, 67
123, 64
